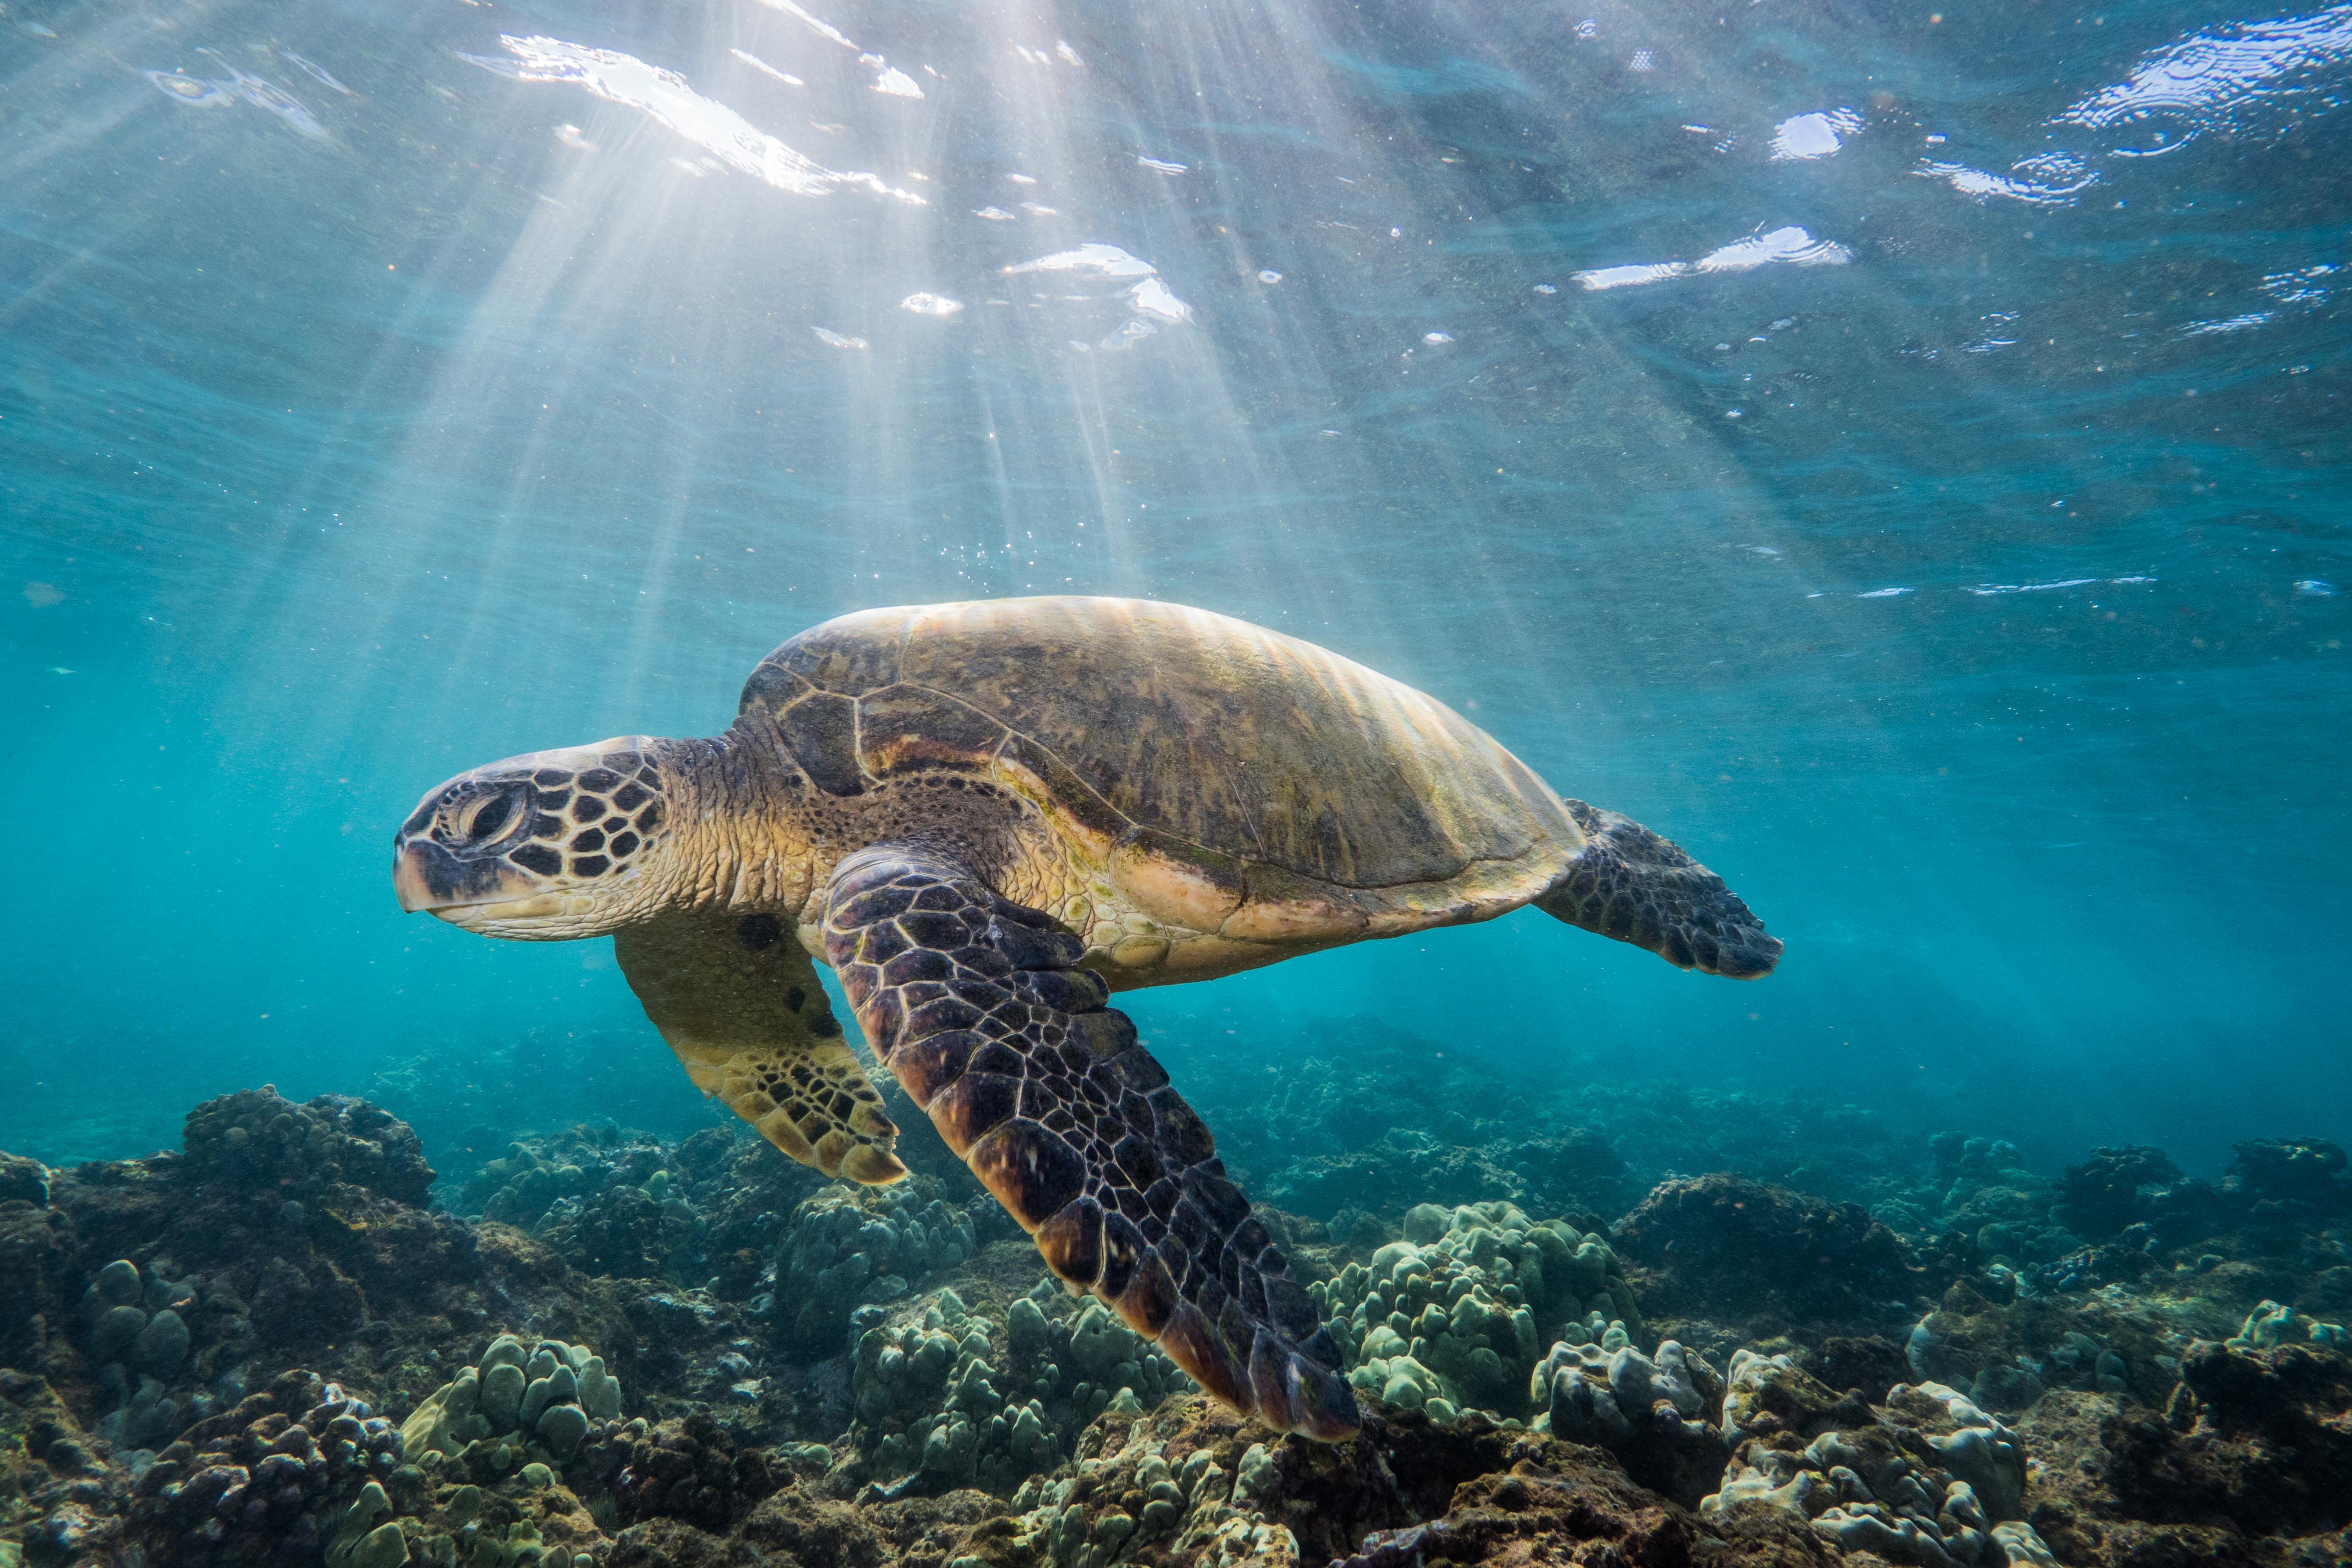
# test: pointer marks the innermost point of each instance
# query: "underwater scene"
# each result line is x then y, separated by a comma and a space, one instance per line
1040, 784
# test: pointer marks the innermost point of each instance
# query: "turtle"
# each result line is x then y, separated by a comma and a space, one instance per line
987, 817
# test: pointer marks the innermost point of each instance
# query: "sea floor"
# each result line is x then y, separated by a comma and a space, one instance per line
1639, 1327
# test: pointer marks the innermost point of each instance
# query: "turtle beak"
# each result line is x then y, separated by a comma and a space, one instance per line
428, 878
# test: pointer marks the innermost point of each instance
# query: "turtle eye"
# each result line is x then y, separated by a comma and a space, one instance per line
490, 817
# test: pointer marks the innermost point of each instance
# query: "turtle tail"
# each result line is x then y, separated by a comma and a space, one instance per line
1636, 887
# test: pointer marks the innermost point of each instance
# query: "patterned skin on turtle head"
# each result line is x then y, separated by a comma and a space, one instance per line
550, 845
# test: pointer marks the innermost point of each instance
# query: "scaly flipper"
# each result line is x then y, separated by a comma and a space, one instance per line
738, 1000
975, 1003
1633, 885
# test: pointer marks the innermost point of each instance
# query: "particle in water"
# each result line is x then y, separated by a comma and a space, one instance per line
1435, 337
2303, 585
1547, 287
994, 214
930, 304
834, 340
1161, 165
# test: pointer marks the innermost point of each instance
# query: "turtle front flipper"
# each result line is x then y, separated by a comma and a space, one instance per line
736, 999
976, 1005
1633, 885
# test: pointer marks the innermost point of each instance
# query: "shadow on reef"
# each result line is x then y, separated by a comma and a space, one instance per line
606, 1347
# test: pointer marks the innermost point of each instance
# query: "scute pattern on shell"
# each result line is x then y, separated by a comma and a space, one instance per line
1251, 748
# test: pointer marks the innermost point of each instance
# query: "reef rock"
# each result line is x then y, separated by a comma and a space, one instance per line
1660, 1416
1725, 1248
2260, 1436
285, 1224
1932, 1480
271, 1480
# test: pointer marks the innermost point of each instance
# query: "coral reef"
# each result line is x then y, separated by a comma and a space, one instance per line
846, 1248
930, 1409
2262, 1438
1722, 1241
1658, 1417
1930, 1478
272, 1480
515, 1406
695, 1471
619, 1351
1454, 1315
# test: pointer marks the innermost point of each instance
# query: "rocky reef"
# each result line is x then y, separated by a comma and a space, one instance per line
288, 1343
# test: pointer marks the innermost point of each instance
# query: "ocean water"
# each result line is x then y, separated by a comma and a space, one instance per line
1899, 454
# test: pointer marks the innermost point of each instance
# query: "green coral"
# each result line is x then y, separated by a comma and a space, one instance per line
1455, 1315
513, 1408
139, 1341
2273, 1324
1107, 1512
849, 1248
953, 1398
929, 1390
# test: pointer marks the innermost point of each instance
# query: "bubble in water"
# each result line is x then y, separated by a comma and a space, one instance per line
1269, 276
188, 89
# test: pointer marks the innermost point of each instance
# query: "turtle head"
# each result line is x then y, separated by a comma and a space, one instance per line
545, 846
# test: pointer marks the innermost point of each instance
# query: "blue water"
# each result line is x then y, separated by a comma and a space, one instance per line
1900, 456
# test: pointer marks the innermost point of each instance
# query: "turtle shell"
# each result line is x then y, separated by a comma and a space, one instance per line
1232, 779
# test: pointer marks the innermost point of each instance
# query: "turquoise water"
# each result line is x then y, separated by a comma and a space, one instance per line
1899, 456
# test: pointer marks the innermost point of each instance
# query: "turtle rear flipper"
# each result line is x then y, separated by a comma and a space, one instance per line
1636, 887
975, 1004
736, 999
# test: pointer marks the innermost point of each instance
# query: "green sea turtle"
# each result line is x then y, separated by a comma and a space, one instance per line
988, 817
